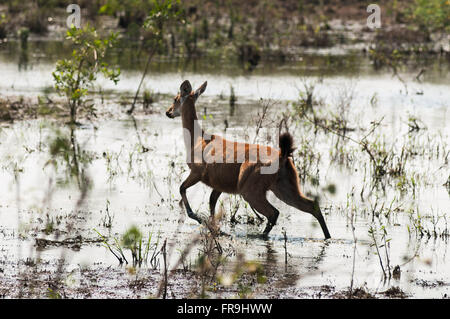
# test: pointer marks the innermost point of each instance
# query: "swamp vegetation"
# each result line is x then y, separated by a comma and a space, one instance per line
91, 167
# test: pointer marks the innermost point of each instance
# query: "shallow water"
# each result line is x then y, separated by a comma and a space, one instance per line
142, 188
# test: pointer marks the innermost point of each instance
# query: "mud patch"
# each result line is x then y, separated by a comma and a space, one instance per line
19, 108
395, 292
71, 243
430, 283
357, 293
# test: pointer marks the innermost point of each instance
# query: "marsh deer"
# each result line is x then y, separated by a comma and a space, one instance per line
249, 170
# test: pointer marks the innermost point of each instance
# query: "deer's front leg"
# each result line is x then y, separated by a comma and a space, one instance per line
190, 181
213, 201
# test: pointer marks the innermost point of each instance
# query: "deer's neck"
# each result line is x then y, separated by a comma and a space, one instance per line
191, 125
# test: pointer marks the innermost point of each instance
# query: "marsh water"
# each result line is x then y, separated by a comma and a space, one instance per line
130, 187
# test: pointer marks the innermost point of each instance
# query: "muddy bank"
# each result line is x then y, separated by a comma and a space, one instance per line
37, 279
53, 108
249, 32
19, 108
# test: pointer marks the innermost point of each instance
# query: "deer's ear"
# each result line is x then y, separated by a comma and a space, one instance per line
200, 90
185, 88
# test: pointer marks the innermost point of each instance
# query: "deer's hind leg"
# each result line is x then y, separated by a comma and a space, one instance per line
259, 202
191, 180
291, 195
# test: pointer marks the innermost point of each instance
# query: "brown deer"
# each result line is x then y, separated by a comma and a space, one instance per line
239, 168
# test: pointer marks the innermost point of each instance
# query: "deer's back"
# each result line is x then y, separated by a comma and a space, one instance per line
228, 165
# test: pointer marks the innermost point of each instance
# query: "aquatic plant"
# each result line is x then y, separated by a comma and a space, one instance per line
142, 252
386, 268
147, 99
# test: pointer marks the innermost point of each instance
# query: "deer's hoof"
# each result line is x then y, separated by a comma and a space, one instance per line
268, 229
195, 217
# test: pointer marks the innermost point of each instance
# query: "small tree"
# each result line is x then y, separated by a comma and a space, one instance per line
430, 15
76, 75
162, 12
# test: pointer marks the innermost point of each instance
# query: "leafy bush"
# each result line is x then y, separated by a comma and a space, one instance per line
431, 15
74, 76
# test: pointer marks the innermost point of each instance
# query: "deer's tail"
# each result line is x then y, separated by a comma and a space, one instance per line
286, 145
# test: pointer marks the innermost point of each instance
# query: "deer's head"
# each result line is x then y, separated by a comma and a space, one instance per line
185, 90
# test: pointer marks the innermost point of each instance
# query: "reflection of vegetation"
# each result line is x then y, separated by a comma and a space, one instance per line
386, 268
383, 54
67, 154
73, 77
233, 100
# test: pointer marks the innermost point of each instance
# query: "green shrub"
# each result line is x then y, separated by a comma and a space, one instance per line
430, 15
74, 76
